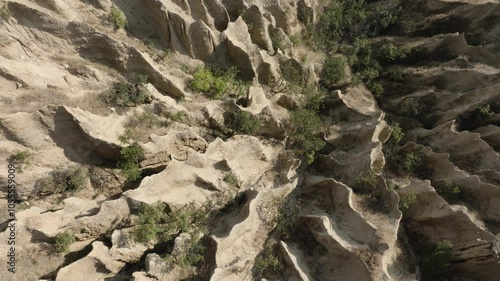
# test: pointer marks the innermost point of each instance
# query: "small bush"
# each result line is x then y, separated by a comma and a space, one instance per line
127, 94
64, 241
408, 26
177, 117
244, 122
291, 73
217, 83
304, 14
387, 17
268, 262
484, 113
409, 107
333, 70
396, 75
154, 223
390, 53
313, 97
21, 159
70, 179
305, 124
366, 182
5, 14
450, 192
341, 20
376, 89
130, 157
407, 200
231, 179
118, 17
397, 133
192, 254
410, 160
436, 261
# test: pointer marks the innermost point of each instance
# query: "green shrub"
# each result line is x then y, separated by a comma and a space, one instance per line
127, 93
279, 41
5, 14
362, 60
216, 82
244, 122
333, 70
387, 17
390, 53
154, 223
267, 262
407, 200
21, 159
366, 182
291, 73
130, 157
178, 116
304, 14
410, 160
118, 17
313, 97
192, 254
376, 89
63, 242
397, 133
450, 192
71, 179
231, 179
410, 107
341, 20
484, 113
305, 124
395, 75
408, 26
436, 261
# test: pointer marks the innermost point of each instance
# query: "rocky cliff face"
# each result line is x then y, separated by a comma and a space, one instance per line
178, 146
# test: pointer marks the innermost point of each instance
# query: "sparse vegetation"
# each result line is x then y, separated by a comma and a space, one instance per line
130, 157
63, 241
118, 17
127, 94
244, 122
305, 125
22, 159
406, 200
